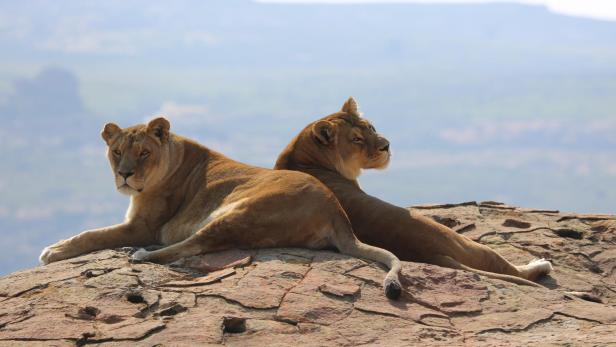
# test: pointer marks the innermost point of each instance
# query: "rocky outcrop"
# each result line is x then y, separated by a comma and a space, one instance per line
282, 297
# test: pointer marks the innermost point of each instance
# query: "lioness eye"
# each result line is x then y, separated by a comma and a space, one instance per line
117, 152
145, 154
358, 140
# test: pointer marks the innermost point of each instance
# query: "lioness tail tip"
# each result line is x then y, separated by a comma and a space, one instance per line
393, 290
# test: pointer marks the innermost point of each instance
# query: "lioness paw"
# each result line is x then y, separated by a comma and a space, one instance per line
541, 266
535, 269
140, 255
45, 257
58, 251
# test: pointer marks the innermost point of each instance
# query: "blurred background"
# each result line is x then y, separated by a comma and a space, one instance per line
506, 101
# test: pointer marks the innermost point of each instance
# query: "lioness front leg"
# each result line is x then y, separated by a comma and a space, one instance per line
94, 240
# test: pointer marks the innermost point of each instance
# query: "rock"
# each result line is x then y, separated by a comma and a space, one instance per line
514, 223
217, 261
282, 297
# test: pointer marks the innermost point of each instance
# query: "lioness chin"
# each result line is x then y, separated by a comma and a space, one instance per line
194, 200
336, 148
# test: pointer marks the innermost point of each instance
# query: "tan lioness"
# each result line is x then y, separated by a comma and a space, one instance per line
336, 148
193, 200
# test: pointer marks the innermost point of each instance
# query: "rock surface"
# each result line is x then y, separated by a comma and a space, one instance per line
282, 297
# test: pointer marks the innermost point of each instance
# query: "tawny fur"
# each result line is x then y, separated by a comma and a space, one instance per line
194, 200
335, 148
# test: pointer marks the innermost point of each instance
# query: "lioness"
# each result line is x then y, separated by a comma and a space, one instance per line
192, 200
336, 148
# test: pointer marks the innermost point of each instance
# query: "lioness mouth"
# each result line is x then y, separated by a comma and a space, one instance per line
126, 185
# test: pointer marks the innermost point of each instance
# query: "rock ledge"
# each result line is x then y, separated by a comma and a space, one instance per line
282, 297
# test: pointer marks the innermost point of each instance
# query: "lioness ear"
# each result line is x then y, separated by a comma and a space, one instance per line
159, 128
324, 131
351, 107
110, 130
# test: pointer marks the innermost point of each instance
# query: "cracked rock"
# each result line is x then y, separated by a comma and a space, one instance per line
282, 297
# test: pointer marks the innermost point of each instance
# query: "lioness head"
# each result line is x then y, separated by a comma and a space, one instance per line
138, 155
342, 141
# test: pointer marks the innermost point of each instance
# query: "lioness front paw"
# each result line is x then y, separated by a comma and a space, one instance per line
140, 255
45, 257
56, 252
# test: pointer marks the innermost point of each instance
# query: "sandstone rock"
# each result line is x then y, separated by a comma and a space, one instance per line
282, 297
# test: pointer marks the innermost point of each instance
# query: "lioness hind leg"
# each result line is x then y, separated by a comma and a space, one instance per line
218, 234
211, 238
492, 261
484, 258
168, 254
449, 262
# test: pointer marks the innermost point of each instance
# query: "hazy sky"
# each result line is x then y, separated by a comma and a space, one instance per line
598, 9
510, 103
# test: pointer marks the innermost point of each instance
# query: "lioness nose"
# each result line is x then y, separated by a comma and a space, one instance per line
384, 147
126, 174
